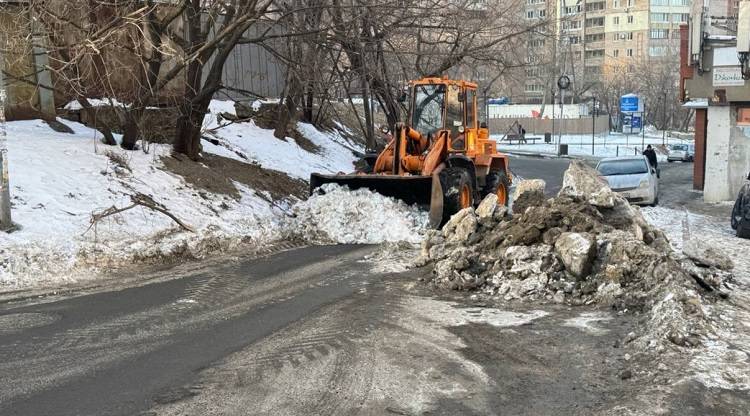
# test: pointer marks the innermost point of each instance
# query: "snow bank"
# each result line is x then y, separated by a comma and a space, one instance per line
58, 180
336, 154
339, 215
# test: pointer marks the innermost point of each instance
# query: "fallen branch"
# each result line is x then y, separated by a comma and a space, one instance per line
137, 199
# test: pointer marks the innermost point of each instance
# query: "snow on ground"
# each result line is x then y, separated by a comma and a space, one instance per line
339, 215
261, 146
58, 180
609, 145
725, 361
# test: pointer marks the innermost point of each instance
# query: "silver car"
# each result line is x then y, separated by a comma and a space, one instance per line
632, 177
681, 152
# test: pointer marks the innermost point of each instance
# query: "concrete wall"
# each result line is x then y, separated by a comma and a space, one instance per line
727, 155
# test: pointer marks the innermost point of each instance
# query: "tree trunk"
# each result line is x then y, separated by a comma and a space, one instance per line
190, 120
108, 138
287, 109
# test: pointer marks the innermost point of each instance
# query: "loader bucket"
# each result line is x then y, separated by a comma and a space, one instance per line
410, 189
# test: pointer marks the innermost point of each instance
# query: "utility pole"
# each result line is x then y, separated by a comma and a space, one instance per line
643, 126
593, 126
5, 219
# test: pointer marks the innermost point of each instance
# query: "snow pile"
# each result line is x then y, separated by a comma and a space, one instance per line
260, 146
338, 215
723, 363
59, 180
576, 249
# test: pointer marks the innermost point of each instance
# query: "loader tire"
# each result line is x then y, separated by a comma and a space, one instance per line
458, 192
497, 183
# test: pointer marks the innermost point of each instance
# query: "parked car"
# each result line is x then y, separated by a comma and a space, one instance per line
681, 152
741, 211
632, 177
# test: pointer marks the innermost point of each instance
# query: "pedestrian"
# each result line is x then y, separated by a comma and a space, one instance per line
651, 156
521, 133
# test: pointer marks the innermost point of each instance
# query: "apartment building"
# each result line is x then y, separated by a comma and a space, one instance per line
591, 39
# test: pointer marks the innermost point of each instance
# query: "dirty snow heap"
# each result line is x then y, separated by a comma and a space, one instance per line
587, 245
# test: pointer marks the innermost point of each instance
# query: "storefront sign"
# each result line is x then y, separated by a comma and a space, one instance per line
727, 76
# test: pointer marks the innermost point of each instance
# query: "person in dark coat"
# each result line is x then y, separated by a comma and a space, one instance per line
651, 156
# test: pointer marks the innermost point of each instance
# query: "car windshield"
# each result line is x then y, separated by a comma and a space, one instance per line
622, 167
679, 147
429, 101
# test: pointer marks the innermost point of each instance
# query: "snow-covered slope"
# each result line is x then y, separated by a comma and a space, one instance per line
260, 145
58, 180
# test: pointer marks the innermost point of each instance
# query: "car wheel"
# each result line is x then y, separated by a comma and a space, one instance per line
736, 213
743, 229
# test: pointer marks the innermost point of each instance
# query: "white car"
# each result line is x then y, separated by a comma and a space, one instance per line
632, 177
681, 152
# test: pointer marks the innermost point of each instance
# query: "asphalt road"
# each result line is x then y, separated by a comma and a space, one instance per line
549, 169
116, 353
323, 331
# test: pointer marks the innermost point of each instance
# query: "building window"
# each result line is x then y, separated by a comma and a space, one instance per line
593, 70
593, 7
542, 13
595, 53
530, 14
595, 22
631, 3
536, 43
660, 34
574, 40
660, 17
616, 20
631, 68
679, 3
574, 24
572, 9
534, 88
657, 51
594, 37
743, 116
630, 19
630, 52
680, 17
661, 2
616, 53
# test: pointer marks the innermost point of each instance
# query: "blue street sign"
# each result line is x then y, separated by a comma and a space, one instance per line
629, 103
635, 122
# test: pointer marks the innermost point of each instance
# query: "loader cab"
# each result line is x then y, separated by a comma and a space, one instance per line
450, 106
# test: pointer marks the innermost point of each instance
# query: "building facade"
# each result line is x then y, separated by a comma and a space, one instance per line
589, 39
713, 84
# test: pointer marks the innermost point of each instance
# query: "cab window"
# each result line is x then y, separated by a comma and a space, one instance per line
454, 116
470, 109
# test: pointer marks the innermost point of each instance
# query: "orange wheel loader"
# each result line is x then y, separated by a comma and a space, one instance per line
441, 158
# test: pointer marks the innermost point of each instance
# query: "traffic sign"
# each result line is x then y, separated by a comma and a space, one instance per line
630, 103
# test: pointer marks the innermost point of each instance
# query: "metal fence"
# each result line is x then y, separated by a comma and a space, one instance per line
252, 69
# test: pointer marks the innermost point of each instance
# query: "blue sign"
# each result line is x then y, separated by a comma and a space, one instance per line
629, 103
635, 122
